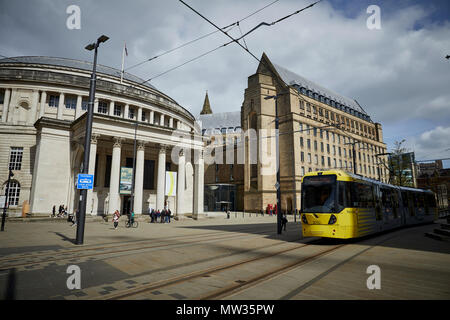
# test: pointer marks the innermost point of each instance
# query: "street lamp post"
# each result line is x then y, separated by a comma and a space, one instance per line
277, 148
10, 175
87, 141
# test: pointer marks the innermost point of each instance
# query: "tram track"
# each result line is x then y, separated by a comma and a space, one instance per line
130, 249
206, 272
240, 285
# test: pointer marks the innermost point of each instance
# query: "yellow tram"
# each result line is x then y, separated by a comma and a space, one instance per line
339, 204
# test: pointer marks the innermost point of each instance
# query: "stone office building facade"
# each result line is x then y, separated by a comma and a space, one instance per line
318, 129
43, 103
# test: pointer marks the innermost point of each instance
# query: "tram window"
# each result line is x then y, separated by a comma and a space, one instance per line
341, 196
421, 202
394, 195
319, 194
363, 195
385, 198
405, 199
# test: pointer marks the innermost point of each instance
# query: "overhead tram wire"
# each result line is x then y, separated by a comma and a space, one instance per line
202, 37
263, 23
232, 40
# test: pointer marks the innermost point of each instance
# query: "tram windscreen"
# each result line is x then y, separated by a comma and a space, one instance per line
319, 194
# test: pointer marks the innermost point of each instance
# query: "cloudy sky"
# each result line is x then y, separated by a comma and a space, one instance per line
398, 73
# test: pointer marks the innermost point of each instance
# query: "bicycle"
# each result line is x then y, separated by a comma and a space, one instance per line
134, 224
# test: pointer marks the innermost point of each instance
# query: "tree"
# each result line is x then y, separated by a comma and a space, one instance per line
401, 165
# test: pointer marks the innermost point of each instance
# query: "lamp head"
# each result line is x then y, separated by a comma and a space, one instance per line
90, 47
102, 38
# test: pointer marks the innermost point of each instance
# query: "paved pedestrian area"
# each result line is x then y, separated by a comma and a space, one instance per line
217, 258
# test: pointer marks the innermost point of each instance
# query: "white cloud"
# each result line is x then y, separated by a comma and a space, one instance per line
433, 144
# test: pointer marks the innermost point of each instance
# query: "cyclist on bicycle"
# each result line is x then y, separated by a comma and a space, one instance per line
131, 220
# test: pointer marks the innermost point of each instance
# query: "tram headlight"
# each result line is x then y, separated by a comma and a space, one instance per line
304, 219
332, 220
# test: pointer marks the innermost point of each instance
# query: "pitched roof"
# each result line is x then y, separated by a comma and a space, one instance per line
220, 120
294, 79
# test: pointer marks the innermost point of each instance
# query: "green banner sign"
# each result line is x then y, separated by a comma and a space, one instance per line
126, 179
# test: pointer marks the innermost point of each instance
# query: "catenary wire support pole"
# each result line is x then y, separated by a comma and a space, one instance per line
133, 178
81, 219
10, 175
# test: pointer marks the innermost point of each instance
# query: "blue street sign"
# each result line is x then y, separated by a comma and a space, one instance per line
85, 181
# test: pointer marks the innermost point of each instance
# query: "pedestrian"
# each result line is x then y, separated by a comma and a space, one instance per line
284, 221
163, 215
158, 214
75, 218
152, 216
54, 211
116, 219
169, 213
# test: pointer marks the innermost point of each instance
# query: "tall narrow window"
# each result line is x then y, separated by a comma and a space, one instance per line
117, 110
84, 105
14, 193
53, 101
15, 158
70, 102
131, 113
102, 107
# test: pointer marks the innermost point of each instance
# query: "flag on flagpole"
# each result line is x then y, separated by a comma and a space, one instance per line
124, 52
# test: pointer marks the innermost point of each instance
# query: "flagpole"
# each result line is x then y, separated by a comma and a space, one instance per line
123, 62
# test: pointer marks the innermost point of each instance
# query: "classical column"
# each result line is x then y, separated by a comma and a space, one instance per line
139, 178
161, 120
60, 106
125, 113
115, 177
171, 122
78, 109
198, 185
111, 108
180, 182
90, 192
6, 105
42, 105
139, 114
161, 186
152, 116
34, 103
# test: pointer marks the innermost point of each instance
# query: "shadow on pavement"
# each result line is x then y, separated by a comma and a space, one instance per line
10, 293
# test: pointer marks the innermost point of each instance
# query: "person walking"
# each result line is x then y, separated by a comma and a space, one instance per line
284, 221
163, 215
169, 213
116, 219
54, 211
152, 216
75, 218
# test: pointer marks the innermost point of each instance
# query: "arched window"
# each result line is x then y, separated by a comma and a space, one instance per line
14, 193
